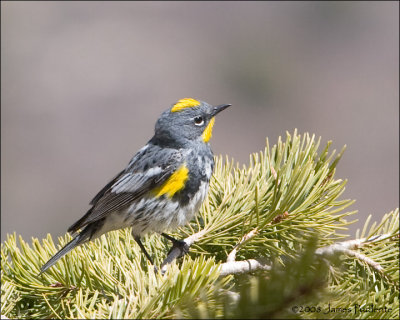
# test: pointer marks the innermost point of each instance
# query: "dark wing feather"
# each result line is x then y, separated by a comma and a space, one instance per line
81, 222
148, 169
106, 187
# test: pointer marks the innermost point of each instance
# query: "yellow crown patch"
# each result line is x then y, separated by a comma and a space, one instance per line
185, 103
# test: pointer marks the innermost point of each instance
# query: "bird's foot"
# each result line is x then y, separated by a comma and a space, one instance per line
181, 245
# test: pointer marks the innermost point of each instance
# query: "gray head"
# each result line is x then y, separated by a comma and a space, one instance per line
186, 121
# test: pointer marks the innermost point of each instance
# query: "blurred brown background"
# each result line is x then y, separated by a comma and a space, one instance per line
82, 84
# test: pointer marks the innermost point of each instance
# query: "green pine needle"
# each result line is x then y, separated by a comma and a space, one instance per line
281, 207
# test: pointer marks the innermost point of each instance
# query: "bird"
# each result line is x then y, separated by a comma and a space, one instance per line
163, 185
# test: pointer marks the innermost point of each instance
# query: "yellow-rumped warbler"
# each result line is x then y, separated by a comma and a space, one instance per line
163, 185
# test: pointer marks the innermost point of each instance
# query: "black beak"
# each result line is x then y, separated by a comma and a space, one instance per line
218, 109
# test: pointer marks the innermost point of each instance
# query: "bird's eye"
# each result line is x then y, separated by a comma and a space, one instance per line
198, 121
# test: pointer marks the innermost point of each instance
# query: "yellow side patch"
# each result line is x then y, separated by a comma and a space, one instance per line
185, 103
174, 183
207, 133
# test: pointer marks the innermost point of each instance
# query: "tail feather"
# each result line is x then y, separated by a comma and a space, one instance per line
79, 239
80, 223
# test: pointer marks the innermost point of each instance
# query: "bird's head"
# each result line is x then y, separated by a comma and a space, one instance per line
187, 120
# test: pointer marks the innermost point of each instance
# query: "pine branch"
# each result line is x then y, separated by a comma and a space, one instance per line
245, 266
347, 247
248, 236
269, 234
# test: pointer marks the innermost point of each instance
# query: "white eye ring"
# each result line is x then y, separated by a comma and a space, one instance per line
198, 121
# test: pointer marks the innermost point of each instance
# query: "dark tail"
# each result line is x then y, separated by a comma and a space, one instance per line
81, 223
79, 239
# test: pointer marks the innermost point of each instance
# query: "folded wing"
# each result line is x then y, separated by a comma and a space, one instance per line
147, 170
